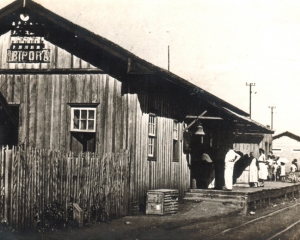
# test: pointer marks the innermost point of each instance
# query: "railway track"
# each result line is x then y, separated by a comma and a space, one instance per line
266, 217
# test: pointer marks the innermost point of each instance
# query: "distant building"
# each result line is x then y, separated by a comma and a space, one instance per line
287, 145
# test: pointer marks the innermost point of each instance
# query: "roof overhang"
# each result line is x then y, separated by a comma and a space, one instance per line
243, 124
239, 124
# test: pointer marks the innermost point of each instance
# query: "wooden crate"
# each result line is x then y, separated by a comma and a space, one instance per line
162, 201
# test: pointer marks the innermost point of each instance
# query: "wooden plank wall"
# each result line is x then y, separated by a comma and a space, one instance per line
246, 148
44, 111
45, 120
122, 122
32, 178
265, 144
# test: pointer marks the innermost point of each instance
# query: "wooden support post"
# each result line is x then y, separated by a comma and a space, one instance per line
245, 208
194, 184
260, 203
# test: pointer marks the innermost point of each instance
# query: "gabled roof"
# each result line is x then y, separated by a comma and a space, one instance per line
99, 51
108, 56
287, 134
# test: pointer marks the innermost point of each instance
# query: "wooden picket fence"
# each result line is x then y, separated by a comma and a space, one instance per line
31, 178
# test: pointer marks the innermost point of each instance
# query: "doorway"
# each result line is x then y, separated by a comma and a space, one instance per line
8, 131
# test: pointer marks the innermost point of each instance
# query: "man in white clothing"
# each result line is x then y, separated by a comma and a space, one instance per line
230, 158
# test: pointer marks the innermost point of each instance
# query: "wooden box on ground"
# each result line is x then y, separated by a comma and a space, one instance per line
78, 215
162, 201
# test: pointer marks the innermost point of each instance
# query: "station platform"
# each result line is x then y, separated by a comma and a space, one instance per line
247, 198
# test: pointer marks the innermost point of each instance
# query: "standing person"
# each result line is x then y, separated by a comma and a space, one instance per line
282, 171
263, 170
278, 170
275, 170
270, 162
208, 172
253, 170
296, 165
294, 168
230, 158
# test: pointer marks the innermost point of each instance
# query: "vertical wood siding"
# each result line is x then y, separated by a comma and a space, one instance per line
122, 118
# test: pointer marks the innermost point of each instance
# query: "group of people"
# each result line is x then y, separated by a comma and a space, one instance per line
260, 169
272, 169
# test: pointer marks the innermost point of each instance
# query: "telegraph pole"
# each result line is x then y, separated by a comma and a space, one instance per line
272, 107
250, 92
168, 58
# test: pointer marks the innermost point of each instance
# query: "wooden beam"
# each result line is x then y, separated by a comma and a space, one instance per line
194, 121
210, 118
7, 109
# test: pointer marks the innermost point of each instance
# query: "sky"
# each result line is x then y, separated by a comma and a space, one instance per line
218, 45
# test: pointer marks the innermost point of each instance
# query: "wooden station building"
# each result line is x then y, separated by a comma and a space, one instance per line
64, 87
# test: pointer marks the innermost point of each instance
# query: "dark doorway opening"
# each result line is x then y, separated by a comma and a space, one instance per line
8, 131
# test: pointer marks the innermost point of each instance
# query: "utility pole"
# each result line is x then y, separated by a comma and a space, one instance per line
168, 58
250, 92
168, 42
272, 107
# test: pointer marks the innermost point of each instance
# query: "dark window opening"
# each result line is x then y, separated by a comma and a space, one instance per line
175, 141
8, 131
176, 151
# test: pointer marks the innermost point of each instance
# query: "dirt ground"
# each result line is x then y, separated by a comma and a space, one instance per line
141, 226
194, 220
